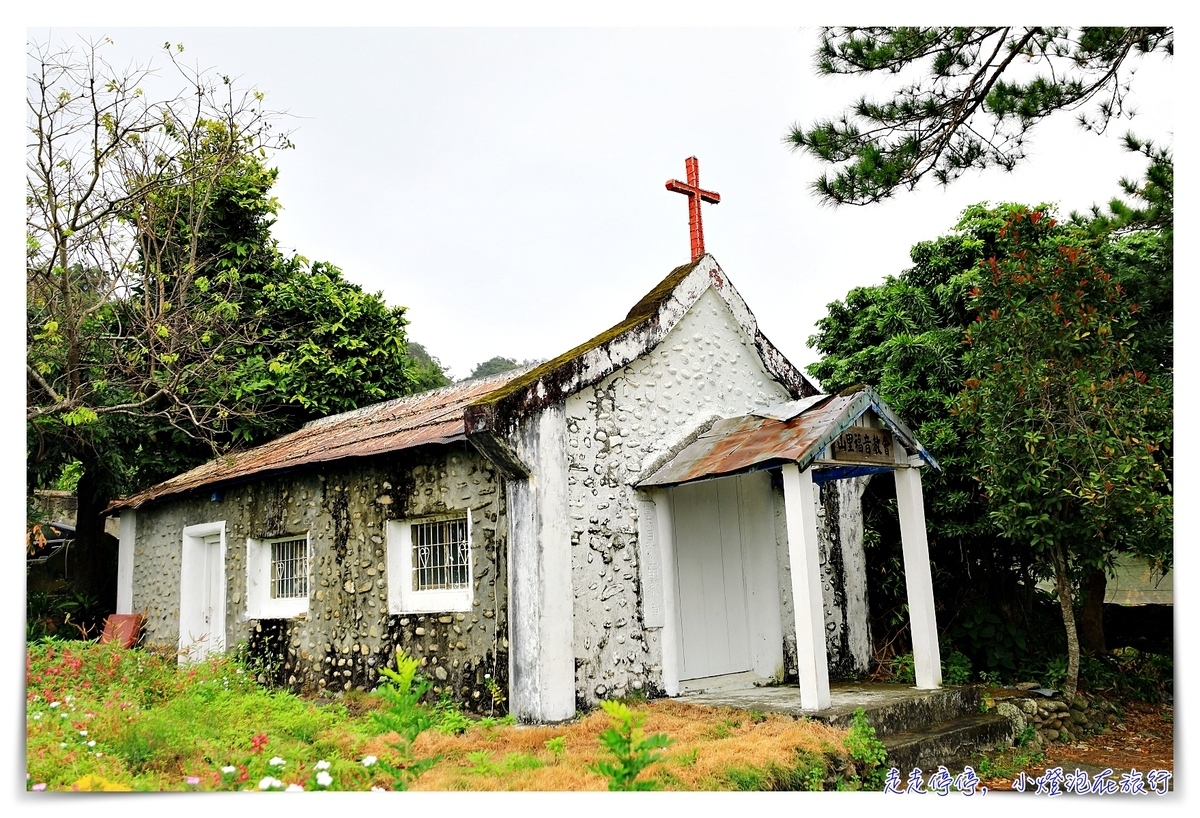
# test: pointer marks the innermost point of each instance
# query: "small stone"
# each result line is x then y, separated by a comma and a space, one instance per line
1050, 735
419, 631
440, 673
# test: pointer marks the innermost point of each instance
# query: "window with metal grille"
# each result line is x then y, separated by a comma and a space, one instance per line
289, 568
440, 554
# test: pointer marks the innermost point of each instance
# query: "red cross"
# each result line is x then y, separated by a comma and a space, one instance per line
692, 190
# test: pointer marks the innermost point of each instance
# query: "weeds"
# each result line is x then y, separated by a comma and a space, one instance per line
404, 715
866, 750
631, 753
557, 746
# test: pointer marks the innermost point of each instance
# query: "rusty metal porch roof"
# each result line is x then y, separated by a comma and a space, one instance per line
431, 417
796, 432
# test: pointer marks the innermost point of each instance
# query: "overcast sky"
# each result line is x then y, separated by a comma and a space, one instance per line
506, 185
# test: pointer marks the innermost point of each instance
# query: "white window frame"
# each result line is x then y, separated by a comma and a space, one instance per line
402, 598
259, 603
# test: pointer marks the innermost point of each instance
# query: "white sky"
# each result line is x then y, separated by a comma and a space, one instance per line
507, 185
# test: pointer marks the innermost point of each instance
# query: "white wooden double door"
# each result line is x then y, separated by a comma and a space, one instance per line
726, 577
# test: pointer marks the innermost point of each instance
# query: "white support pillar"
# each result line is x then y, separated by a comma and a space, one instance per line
918, 578
127, 540
665, 524
800, 511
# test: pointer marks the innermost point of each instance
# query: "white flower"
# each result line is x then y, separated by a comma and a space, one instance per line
62, 715
92, 743
277, 762
378, 789
62, 744
230, 770
83, 732
37, 716
56, 704
294, 788
269, 783
322, 765
324, 779
369, 761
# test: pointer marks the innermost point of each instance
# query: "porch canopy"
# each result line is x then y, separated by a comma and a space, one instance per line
812, 441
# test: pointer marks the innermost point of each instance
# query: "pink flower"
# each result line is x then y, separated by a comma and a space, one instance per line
193, 780
38, 787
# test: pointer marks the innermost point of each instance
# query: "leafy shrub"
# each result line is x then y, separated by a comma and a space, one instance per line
631, 753
404, 714
988, 637
956, 669
448, 717
903, 669
866, 750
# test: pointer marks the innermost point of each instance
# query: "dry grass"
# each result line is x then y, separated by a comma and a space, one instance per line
708, 743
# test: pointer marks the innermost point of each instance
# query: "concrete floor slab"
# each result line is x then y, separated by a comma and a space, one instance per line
845, 697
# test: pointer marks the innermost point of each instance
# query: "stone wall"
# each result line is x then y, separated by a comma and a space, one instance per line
348, 632
704, 369
1042, 721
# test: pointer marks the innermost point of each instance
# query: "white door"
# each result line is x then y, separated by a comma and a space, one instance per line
710, 565
202, 593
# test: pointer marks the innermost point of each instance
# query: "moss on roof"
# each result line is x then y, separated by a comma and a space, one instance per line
642, 310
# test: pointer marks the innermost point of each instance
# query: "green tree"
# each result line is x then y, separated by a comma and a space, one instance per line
494, 366
904, 336
1072, 436
427, 370
969, 99
164, 325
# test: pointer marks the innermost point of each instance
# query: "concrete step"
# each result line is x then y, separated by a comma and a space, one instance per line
892, 710
950, 743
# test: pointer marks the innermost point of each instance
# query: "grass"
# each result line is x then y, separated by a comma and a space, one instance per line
99, 717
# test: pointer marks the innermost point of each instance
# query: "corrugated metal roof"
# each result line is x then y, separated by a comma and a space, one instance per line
762, 440
431, 417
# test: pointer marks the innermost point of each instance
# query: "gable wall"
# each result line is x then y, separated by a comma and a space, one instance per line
348, 631
705, 368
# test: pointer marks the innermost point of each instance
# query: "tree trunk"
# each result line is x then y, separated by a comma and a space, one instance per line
1091, 611
93, 559
1063, 585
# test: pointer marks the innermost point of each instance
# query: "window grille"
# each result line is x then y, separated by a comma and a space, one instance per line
289, 568
440, 554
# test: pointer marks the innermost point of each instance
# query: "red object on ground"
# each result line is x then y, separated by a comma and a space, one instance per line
122, 628
692, 190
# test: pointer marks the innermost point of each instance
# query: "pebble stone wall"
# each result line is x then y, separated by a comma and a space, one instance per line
1053, 720
348, 632
705, 368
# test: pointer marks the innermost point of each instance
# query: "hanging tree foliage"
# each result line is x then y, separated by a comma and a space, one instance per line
970, 97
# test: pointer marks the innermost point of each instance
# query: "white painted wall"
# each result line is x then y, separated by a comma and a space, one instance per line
541, 677
705, 368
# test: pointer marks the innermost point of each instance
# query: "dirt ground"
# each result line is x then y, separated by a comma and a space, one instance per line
1143, 741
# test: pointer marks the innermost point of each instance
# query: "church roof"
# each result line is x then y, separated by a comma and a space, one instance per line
485, 409
647, 323
432, 417
795, 432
